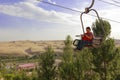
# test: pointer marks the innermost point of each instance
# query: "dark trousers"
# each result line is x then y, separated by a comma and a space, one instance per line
82, 43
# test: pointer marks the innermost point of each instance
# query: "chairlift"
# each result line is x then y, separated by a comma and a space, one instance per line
97, 40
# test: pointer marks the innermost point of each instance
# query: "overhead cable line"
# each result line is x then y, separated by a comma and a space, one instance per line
109, 3
116, 1
61, 6
75, 10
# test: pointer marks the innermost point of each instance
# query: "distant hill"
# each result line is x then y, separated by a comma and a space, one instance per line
117, 42
29, 48
23, 48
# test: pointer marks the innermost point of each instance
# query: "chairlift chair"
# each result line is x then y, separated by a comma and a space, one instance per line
97, 40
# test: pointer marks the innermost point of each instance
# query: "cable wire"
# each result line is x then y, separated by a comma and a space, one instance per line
61, 6
76, 10
116, 1
109, 3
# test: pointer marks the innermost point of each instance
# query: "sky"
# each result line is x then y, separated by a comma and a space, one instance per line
34, 20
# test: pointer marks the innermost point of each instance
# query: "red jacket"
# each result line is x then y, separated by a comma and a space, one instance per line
86, 38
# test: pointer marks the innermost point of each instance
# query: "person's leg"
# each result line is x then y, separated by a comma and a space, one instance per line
87, 43
80, 44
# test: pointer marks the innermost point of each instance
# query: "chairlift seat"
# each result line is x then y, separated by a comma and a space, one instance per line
95, 42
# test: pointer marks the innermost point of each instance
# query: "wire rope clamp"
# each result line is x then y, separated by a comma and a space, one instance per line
86, 10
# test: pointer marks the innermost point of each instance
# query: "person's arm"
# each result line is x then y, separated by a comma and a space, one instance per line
82, 35
89, 37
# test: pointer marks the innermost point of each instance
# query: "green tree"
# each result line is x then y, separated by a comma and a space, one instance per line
83, 65
8, 77
24, 75
116, 66
106, 57
0, 64
68, 50
21, 75
101, 28
105, 60
46, 69
0, 68
3, 69
17, 77
34, 75
66, 67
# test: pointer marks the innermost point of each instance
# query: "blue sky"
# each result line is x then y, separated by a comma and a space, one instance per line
34, 20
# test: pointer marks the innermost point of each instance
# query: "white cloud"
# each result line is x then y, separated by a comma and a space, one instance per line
51, 1
110, 12
113, 14
64, 23
30, 10
33, 1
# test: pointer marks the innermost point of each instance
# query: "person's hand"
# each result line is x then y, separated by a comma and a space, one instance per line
82, 35
85, 35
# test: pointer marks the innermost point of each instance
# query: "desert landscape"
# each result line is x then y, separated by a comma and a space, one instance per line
29, 48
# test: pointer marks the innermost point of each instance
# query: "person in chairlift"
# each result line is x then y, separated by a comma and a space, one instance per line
86, 39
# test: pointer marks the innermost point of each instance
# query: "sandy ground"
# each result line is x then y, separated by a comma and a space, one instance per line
29, 48
22, 48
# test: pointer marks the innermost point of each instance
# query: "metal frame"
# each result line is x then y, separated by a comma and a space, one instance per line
87, 10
